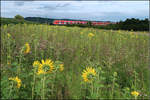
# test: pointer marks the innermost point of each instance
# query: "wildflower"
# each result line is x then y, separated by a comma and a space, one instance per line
27, 48
8, 63
135, 93
136, 36
88, 74
36, 63
61, 68
8, 35
81, 33
115, 74
90, 35
16, 79
40, 71
45, 67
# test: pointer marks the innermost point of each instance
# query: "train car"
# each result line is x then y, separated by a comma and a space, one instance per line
100, 23
64, 22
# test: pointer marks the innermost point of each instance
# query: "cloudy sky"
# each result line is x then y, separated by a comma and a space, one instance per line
85, 10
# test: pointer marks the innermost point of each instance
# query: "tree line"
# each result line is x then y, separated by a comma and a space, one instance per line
132, 24
18, 19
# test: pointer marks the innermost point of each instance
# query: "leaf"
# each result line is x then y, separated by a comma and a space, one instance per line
93, 96
13, 69
14, 64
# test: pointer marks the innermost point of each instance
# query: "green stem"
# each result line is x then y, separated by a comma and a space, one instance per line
98, 93
33, 85
10, 89
92, 88
20, 60
135, 80
34, 75
113, 88
43, 96
35, 49
53, 84
135, 97
85, 91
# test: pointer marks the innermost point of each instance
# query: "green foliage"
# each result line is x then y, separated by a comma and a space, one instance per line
5, 21
19, 17
40, 20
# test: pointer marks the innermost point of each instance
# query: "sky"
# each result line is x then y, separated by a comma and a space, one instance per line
78, 9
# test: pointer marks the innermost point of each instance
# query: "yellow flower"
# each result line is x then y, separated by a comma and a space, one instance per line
45, 67
88, 74
36, 63
16, 79
61, 68
8, 35
136, 36
8, 62
115, 74
131, 33
81, 33
90, 35
27, 48
135, 93
40, 71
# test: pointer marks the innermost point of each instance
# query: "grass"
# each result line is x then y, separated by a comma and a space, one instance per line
120, 59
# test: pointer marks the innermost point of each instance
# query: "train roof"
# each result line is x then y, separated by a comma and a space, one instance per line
81, 20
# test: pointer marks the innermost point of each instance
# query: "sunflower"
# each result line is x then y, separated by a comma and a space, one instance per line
16, 79
45, 67
135, 93
27, 48
36, 64
88, 74
61, 68
90, 35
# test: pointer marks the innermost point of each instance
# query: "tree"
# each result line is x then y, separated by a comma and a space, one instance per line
89, 23
19, 17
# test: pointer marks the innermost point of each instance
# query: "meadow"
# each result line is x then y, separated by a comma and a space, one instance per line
59, 62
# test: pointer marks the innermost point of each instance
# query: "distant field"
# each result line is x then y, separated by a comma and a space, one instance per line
84, 63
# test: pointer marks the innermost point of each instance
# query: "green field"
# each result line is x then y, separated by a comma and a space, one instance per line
117, 63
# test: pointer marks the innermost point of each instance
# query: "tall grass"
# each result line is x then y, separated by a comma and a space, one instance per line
120, 59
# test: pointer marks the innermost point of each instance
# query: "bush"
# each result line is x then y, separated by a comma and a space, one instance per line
19, 17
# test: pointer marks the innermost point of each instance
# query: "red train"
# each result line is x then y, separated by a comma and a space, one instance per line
64, 22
